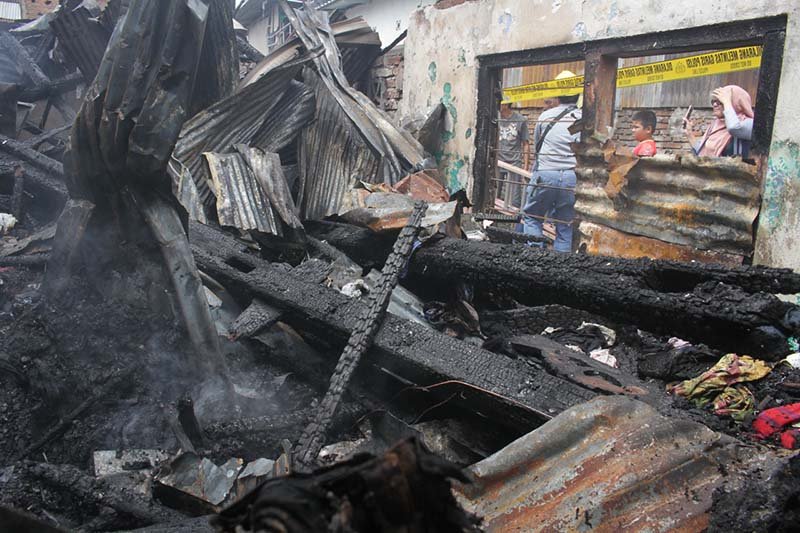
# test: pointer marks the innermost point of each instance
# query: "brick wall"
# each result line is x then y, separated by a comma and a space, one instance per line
386, 81
36, 8
669, 135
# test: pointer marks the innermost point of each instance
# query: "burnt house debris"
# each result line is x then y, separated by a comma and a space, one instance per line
235, 295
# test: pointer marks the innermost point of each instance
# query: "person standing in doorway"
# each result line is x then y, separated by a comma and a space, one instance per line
552, 186
512, 148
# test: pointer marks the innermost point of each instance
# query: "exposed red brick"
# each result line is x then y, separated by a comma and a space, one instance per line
668, 142
36, 8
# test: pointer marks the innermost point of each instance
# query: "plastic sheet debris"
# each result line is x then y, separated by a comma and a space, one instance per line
604, 356
793, 359
7, 223
675, 342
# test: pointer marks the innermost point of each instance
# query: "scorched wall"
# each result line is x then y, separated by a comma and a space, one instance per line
441, 66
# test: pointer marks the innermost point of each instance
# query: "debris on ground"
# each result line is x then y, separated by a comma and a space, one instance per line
234, 291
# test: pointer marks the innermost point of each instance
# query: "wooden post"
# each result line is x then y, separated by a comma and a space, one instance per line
599, 93
71, 227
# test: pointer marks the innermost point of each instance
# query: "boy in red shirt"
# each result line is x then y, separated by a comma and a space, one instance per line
643, 126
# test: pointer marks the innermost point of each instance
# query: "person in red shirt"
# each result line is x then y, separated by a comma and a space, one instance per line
643, 126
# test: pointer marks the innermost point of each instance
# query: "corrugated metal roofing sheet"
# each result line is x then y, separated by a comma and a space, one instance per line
241, 202
333, 155
234, 120
82, 38
707, 203
610, 464
10, 10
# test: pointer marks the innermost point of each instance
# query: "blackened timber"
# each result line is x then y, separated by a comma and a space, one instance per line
52, 88
71, 226
16, 196
255, 318
718, 314
364, 246
509, 391
28, 154
533, 320
700, 303
360, 340
35, 179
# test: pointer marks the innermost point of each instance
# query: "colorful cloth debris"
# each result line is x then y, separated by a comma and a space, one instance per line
736, 402
791, 439
773, 420
716, 386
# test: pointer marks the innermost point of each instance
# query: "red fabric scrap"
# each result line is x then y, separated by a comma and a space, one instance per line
774, 420
791, 439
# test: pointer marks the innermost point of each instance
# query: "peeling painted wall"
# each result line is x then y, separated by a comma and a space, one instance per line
389, 19
441, 66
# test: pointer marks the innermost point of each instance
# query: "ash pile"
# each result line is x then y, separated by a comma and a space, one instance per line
235, 296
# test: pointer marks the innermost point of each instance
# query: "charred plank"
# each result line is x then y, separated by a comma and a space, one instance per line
364, 246
71, 226
716, 305
255, 318
24, 152
509, 391
360, 340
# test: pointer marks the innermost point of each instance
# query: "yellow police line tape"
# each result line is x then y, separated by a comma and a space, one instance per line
722, 62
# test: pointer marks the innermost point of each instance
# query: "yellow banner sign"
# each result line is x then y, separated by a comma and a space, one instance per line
723, 62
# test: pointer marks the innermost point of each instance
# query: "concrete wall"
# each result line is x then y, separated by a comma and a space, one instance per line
257, 35
388, 17
440, 66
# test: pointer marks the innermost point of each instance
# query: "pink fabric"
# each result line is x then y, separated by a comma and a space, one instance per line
717, 137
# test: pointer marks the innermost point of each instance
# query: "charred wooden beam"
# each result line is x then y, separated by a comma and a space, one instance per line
189, 422
533, 320
20, 57
49, 89
360, 340
505, 236
16, 195
72, 480
36, 180
35, 141
71, 227
255, 318
509, 391
367, 247
725, 307
36, 260
24, 152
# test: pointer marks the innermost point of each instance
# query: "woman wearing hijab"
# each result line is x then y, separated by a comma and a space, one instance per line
730, 132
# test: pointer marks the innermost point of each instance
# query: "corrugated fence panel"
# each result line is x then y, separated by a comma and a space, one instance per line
707, 203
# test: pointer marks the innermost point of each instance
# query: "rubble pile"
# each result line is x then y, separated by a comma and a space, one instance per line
251, 304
